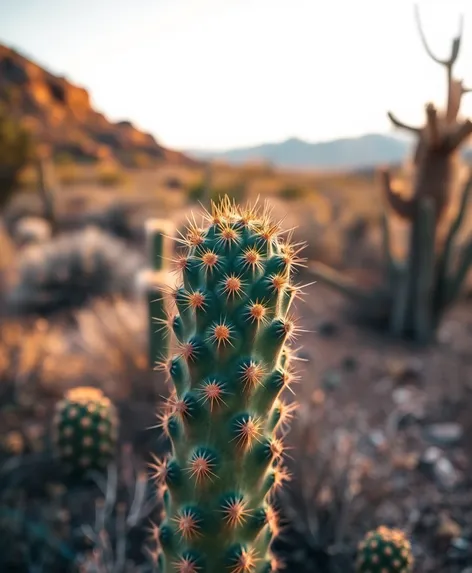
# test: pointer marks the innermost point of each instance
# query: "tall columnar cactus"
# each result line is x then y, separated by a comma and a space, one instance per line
385, 550
159, 233
418, 290
233, 326
85, 429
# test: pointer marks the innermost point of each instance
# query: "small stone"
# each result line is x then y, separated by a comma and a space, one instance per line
446, 434
402, 396
331, 380
378, 439
349, 363
446, 474
327, 328
460, 544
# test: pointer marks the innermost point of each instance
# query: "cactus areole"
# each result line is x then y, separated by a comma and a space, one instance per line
233, 326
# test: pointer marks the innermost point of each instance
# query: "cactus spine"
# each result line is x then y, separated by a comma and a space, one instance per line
233, 326
158, 244
384, 550
85, 429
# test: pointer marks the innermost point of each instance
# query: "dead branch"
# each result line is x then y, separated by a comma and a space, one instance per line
397, 123
454, 94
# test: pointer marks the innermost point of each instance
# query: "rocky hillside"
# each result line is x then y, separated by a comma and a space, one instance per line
61, 117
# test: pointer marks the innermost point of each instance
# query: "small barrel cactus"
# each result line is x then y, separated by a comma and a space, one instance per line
233, 326
385, 550
85, 430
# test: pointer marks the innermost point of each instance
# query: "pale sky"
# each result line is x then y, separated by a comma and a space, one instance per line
226, 73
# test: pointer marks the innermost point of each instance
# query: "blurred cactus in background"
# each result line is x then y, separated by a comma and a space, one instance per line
233, 326
385, 551
85, 430
419, 289
156, 281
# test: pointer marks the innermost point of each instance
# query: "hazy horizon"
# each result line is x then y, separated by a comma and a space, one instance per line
203, 74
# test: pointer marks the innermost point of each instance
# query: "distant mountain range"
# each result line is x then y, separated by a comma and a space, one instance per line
362, 152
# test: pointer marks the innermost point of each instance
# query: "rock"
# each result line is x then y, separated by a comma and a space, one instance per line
402, 396
378, 439
446, 434
327, 328
437, 466
349, 363
410, 405
331, 380
446, 474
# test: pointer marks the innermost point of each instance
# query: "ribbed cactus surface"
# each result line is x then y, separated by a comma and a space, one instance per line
233, 326
385, 550
85, 428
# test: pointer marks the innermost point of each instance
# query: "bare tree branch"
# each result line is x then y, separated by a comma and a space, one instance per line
456, 43
397, 123
453, 93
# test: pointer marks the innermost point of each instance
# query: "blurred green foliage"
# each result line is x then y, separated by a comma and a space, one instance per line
16, 149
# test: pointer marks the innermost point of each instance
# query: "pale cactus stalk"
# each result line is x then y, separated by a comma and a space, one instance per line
159, 234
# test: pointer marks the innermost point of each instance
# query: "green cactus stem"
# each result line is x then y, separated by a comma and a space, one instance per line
85, 430
233, 325
384, 550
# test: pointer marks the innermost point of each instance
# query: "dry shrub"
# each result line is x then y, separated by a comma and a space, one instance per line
113, 336
32, 360
316, 507
68, 271
342, 475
